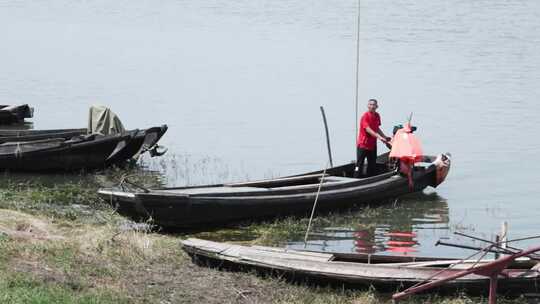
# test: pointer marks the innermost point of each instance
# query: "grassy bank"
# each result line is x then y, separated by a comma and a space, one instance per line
60, 244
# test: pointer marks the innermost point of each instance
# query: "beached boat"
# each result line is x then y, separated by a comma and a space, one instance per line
140, 142
149, 136
85, 152
72, 149
77, 152
30, 135
10, 114
213, 205
386, 273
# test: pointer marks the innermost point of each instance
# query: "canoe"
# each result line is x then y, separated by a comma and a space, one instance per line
385, 273
10, 114
85, 152
222, 204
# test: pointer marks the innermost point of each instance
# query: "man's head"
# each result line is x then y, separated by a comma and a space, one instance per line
372, 105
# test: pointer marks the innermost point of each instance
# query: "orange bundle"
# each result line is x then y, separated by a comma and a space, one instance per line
405, 146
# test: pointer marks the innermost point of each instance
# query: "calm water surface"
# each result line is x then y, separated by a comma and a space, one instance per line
240, 84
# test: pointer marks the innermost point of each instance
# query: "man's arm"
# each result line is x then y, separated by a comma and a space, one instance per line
379, 134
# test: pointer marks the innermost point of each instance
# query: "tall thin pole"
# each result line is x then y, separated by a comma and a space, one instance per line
327, 137
357, 74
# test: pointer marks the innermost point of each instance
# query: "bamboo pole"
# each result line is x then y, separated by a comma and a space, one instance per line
327, 137
314, 206
357, 74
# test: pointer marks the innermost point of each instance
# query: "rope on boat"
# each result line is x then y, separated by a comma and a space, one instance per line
124, 180
18, 150
314, 205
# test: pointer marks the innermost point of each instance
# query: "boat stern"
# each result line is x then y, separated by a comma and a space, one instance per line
120, 200
442, 164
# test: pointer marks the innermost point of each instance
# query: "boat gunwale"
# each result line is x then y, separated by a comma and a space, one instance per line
288, 191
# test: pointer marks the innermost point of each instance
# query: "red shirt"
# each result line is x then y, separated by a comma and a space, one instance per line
366, 141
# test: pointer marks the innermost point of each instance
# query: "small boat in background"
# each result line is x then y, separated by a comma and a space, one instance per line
384, 272
84, 152
15, 114
30, 135
222, 204
103, 143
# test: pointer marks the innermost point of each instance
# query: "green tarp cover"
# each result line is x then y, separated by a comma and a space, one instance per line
104, 121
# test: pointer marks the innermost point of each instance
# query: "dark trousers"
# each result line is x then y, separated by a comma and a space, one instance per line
361, 155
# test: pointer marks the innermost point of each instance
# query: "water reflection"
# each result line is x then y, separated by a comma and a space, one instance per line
409, 227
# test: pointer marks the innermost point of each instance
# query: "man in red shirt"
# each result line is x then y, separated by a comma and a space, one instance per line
366, 144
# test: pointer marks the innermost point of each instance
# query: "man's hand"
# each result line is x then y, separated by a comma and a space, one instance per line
384, 139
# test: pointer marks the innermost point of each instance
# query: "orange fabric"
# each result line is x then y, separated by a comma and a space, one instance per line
406, 146
400, 243
401, 234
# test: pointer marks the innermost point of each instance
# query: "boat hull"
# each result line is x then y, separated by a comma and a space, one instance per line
15, 114
63, 156
385, 273
141, 141
217, 205
102, 152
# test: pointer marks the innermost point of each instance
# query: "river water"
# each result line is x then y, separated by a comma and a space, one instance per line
240, 84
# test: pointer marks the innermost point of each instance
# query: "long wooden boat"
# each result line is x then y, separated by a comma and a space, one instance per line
387, 273
191, 207
10, 114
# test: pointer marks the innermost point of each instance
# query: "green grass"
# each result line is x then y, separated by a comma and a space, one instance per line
23, 289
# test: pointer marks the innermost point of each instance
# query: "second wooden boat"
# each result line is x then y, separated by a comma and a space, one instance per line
387, 273
213, 205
